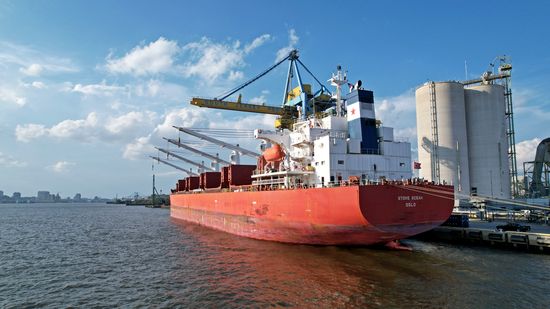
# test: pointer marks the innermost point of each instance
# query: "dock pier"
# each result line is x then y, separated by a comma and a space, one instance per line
486, 233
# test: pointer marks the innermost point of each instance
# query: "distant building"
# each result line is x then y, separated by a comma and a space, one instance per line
77, 197
16, 196
1, 195
44, 196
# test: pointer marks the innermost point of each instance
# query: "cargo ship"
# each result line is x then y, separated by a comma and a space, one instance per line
330, 173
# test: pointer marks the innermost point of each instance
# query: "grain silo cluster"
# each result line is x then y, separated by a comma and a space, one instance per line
464, 136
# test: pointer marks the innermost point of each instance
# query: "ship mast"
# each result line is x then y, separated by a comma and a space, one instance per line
337, 80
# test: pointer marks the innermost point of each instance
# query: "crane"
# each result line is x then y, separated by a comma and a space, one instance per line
297, 103
215, 159
174, 166
199, 165
241, 150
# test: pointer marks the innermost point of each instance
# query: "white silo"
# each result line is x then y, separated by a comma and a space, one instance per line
442, 137
487, 140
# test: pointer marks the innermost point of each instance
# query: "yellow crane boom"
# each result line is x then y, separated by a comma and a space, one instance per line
286, 114
238, 106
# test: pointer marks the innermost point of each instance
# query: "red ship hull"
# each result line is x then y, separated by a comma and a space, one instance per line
347, 215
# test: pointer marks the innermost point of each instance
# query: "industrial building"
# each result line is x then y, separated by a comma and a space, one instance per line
537, 173
466, 134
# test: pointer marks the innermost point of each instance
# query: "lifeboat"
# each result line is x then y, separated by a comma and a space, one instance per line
274, 154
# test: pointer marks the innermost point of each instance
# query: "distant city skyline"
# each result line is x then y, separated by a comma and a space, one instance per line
44, 196
87, 89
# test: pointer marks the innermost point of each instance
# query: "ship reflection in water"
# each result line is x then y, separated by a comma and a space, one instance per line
251, 272
267, 273
110, 256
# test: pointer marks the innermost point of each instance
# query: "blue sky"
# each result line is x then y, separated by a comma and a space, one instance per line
87, 88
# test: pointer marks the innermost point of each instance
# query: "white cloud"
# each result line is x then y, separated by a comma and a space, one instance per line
405, 134
32, 62
97, 89
38, 85
138, 130
292, 42
130, 122
27, 132
79, 129
396, 110
399, 112
258, 100
248, 123
235, 75
531, 102
93, 128
155, 88
121, 94
525, 151
8, 161
116, 105
257, 42
210, 60
12, 97
138, 149
34, 69
157, 57
18, 63
207, 60
61, 166
185, 117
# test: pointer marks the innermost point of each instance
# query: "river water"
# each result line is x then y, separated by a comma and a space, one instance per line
97, 255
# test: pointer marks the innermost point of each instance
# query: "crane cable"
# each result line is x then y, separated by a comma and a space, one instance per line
323, 88
232, 91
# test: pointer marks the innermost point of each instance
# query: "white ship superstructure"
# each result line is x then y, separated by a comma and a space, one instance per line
343, 145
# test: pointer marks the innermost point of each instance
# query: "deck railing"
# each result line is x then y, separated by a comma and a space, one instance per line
343, 183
